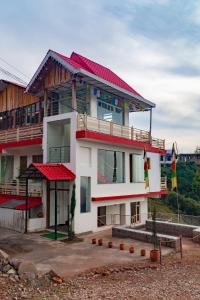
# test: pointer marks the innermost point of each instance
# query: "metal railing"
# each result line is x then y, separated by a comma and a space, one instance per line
28, 132
19, 188
163, 183
85, 122
59, 154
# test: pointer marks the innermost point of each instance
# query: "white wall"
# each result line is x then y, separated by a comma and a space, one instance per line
87, 166
154, 172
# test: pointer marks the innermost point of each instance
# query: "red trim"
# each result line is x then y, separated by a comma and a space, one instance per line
36, 141
32, 201
86, 134
106, 198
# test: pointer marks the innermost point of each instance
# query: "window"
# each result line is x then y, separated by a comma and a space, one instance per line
85, 194
110, 166
37, 158
110, 108
136, 168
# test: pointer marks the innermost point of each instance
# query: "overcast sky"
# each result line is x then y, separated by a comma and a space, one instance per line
154, 45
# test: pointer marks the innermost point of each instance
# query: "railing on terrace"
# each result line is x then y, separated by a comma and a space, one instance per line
85, 122
28, 132
59, 154
163, 183
19, 188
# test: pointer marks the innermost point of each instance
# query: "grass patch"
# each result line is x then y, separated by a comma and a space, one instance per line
51, 235
161, 207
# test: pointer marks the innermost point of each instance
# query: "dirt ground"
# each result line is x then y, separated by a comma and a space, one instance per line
69, 259
122, 279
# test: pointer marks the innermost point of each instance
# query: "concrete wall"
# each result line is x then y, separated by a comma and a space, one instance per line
172, 228
144, 236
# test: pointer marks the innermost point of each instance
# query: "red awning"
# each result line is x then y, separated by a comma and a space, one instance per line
53, 172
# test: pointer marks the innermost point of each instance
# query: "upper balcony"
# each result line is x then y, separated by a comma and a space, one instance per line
85, 122
20, 134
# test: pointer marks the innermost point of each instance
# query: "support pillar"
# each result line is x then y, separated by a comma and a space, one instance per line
56, 221
26, 212
74, 100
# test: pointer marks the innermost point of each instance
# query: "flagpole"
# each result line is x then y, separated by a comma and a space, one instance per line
177, 200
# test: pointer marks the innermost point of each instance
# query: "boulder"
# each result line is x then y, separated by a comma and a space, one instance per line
3, 255
14, 262
12, 271
27, 270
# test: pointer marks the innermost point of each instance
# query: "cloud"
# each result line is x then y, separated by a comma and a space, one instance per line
154, 48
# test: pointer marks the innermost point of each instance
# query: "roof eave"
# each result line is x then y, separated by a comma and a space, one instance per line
145, 101
49, 54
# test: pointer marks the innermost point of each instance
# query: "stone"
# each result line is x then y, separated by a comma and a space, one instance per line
12, 272
14, 262
6, 268
57, 279
27, 270
3, 255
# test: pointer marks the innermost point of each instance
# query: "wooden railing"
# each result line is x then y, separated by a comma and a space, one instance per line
163, 183
28, 132
19, 188
85, 122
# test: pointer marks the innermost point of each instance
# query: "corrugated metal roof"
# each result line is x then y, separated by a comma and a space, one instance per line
55, 171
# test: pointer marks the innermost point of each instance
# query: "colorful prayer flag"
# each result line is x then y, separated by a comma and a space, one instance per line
146, 170
174, 176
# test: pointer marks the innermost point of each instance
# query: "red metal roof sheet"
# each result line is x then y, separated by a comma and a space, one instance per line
102, 72
55, 171
80, 62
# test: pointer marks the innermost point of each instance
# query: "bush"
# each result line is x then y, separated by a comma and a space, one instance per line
186, 205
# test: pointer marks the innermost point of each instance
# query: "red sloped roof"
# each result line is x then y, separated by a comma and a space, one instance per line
55, 171
101, 72
80, 62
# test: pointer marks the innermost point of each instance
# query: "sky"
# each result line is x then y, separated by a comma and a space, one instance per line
154, 45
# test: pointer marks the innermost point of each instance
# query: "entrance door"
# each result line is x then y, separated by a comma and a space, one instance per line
135, 212
101, 216
62, 208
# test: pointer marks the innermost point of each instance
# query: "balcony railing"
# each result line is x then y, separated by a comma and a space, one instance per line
28, 132
19, 188
163, 183
86, 122
59, 154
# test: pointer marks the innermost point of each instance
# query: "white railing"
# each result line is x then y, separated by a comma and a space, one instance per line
163, 183
19, 188
28, 132
85, 122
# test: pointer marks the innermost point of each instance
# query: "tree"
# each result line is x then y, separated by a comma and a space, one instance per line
196, 184
71, 233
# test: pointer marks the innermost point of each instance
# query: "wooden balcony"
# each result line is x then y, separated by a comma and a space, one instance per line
28, 132
85, 122
19, 188
163, 183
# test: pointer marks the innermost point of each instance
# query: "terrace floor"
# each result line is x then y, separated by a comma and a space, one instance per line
68, 259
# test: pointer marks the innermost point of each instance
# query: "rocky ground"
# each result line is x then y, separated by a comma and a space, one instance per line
173, 280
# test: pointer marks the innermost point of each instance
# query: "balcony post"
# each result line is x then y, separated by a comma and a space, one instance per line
45, 101
150, 125
74, 101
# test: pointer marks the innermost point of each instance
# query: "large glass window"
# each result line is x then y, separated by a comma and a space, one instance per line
110, 108
136, 168
85, 194
110, 166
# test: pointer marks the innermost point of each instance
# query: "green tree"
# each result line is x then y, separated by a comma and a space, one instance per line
196, 184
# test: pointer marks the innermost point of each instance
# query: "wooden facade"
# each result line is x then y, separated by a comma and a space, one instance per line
13, 96
57, 75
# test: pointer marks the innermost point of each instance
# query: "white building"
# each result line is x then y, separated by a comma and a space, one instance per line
78, 127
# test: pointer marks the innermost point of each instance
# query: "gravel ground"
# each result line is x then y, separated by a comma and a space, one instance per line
174, 280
